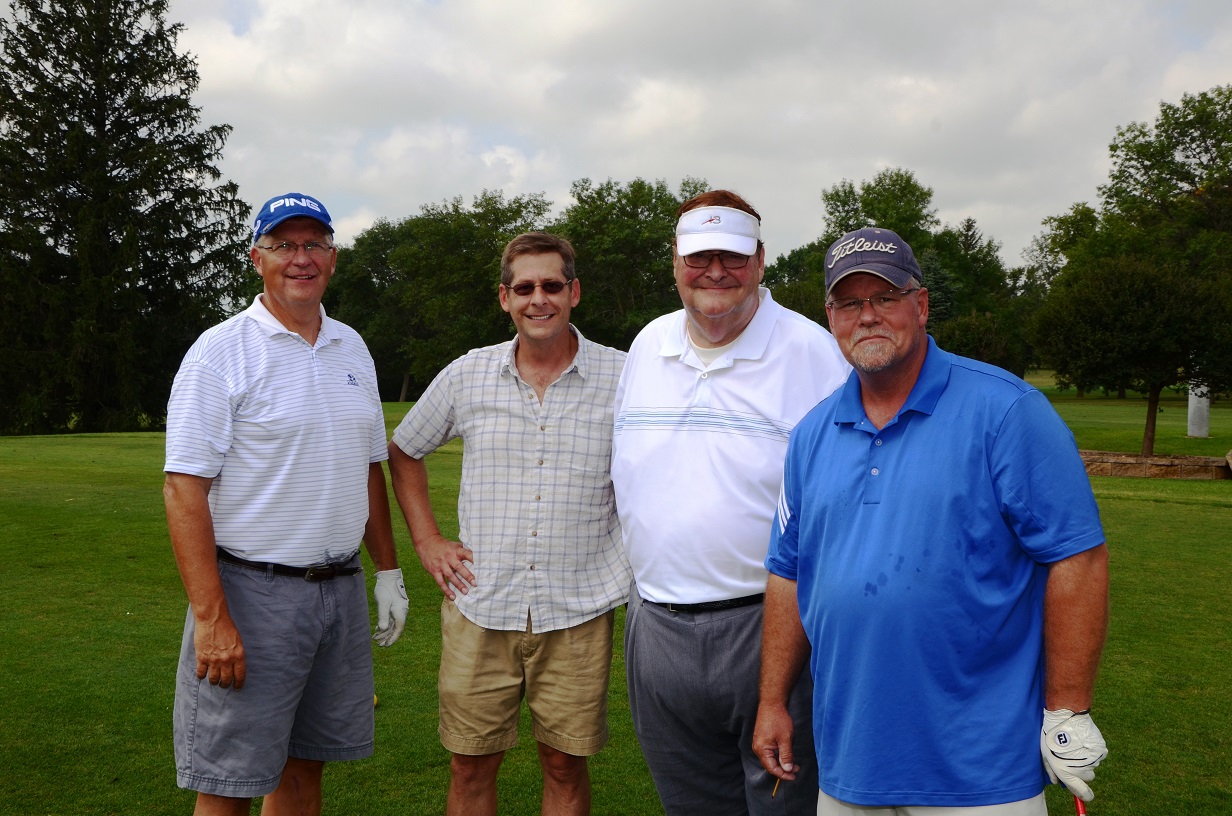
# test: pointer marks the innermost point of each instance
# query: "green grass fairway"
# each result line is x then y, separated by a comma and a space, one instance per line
1106, 423
92, 610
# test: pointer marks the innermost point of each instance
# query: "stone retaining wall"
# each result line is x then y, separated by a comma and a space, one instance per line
1105, 463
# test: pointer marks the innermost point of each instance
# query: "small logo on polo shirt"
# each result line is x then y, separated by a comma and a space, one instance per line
352, 381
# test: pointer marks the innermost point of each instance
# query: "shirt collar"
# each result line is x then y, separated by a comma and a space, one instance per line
929, 385
750, 344
270, 325
580, 359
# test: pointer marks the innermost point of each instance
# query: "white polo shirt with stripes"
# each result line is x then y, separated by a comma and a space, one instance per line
697, 458
286, 430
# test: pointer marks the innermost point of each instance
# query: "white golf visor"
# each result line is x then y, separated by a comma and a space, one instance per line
721, 228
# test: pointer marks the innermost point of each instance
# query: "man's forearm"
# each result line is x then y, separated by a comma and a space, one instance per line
192, 540
410, 478
1075, 625
784, 645
379, 532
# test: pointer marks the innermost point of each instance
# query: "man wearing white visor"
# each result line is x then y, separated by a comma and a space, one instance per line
707, 400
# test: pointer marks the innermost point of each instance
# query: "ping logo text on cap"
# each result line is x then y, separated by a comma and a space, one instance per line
292, 202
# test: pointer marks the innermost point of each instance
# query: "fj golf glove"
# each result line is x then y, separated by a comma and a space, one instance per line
1072, 746
391, 606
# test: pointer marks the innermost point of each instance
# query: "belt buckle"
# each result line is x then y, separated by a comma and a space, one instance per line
321, 572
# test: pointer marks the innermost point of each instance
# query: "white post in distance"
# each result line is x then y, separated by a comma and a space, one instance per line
1199, 412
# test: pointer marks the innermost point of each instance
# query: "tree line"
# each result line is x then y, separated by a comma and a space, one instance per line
120, 243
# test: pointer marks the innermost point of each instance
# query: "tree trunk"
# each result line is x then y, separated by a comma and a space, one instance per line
406, 383
1152, 411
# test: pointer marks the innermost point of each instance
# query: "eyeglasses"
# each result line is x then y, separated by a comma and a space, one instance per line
289, 249
729, 260
882, 303
549, 287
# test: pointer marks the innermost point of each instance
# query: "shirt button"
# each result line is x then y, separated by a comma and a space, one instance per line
704, 375
534, 533
532, 567
875, 471
877, 443
542, 428
541, 461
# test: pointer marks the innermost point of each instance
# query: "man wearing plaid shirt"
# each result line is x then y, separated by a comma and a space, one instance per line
531, 586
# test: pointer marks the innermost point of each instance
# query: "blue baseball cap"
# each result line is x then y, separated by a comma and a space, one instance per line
874, 250
291, 205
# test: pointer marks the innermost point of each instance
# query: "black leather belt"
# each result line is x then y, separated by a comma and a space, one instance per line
712, 606
319, 572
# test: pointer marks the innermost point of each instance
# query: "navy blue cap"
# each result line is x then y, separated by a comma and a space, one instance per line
876, 251
291, 205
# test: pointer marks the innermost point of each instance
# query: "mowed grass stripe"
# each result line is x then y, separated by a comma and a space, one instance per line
93, 608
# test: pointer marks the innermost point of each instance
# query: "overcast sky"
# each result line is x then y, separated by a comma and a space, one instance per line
1005, 110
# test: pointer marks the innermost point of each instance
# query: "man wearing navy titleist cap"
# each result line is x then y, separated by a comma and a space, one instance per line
275, 438
707, 399
938, 553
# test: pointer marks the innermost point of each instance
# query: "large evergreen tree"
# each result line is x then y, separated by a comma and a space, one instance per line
118, 244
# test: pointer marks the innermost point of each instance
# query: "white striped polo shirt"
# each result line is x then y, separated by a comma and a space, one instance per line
286, 430
698, 453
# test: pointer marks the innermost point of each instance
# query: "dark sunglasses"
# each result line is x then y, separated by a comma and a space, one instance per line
551, 287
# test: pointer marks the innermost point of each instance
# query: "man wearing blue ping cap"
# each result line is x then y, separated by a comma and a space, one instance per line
275, 439
938, 552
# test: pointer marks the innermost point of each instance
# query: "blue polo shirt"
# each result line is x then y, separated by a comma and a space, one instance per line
920, 553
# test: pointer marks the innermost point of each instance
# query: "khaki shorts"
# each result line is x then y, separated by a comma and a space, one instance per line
484, 672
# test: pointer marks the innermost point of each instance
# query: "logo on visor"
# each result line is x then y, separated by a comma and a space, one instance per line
714, 219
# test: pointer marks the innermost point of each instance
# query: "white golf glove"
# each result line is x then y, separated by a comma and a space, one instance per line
391, 606
1072, 746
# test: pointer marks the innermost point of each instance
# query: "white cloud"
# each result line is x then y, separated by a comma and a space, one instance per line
1005, 110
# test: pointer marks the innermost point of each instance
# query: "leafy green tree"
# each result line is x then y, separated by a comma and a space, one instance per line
973, 309
1128, 322
894, 199
1141, 296
797, 280
364, 294
972, 264
444, 277
970, 297
117, 244
623, 236
805, 262
844, 211
1047, 253
1177, 174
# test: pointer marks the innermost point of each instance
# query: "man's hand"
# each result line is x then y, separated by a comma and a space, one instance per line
391, 606
220, 653
772, 740
446, 561
1072, 746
